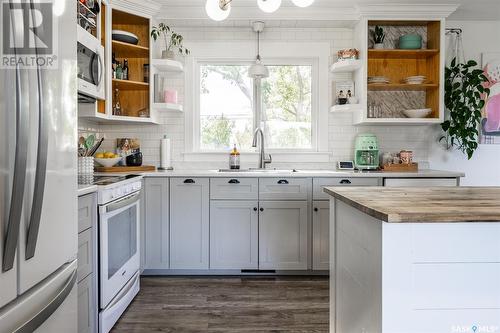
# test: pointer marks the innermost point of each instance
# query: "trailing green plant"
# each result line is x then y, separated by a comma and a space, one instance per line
464, 98
173, 41
378, 35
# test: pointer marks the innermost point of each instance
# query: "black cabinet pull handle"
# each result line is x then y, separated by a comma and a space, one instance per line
255, 209
234, 181
345, 181
261, 209
282, 181
189, 181
316, 209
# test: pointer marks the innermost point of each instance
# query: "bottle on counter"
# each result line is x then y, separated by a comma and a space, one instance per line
125, 69
234, 159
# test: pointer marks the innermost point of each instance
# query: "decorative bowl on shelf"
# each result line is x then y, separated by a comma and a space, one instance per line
410, 42
108, 162
124, 36
417, 113
348, 54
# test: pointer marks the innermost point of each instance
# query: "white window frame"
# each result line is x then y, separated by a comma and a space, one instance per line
315, 54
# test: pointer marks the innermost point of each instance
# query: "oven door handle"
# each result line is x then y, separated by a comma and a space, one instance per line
126, 201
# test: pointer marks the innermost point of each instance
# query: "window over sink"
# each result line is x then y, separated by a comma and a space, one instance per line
226, 106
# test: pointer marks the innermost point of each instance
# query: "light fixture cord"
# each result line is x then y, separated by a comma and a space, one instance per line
258, 45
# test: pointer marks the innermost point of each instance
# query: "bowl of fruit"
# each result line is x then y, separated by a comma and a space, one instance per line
107, 159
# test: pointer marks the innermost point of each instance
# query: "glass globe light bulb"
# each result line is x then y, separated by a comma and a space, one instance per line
302, 3
215, 12
269, 6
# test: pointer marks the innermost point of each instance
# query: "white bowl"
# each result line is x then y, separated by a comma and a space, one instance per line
417, 113
108, 162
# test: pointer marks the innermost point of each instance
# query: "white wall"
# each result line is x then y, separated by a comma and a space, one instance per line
341, 132
484, 167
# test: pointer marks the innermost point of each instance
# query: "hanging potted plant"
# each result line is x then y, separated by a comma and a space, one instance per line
173, 41
464, 98
378, 37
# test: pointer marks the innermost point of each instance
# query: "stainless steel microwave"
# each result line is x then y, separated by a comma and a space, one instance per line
90, 65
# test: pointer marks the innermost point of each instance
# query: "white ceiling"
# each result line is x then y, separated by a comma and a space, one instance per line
329, 13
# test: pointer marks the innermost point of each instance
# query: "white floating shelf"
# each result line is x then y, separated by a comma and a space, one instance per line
345, 108
345, 66
168, 65
168, 107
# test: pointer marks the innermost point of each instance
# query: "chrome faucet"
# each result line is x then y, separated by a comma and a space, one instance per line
262, 156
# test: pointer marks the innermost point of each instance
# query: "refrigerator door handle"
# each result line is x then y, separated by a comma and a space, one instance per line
32, 324
21, 155
41, 168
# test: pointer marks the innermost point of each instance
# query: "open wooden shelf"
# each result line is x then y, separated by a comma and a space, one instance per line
346, 66
402, 54
168, 107
402, 87
127, 50
130, 85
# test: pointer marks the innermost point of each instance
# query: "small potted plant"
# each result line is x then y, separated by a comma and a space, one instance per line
378, 37
173, 41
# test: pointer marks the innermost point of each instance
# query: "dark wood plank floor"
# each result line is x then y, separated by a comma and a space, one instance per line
215, 304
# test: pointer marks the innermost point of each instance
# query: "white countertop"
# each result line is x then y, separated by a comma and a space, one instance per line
425, 173
86, 189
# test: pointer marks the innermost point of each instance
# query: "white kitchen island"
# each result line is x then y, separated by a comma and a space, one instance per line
415, 260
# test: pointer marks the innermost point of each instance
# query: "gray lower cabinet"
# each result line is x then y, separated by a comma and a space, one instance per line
155, 238
234, 238
321, 232
87, 264
189, 223
283, 235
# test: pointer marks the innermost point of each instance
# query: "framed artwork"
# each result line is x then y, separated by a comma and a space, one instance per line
490, 124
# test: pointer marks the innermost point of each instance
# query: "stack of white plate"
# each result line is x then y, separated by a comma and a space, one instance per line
417, 79
378, 79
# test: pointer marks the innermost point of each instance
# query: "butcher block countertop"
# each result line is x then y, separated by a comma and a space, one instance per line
425, 205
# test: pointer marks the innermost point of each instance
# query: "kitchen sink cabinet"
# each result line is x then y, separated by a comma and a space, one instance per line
321, 231
283, 235
189, 223
234, 239
155, 238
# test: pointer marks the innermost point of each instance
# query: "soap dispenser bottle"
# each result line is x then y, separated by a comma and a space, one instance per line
234, 159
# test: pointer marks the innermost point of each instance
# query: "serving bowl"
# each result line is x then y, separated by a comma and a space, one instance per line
108, 162
417, 113
124, 36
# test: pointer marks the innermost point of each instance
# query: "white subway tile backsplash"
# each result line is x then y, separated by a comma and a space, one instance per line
341, 132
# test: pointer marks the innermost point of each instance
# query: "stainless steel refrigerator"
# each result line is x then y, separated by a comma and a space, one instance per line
38, 177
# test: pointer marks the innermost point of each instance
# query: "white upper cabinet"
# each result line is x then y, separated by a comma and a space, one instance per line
189, 223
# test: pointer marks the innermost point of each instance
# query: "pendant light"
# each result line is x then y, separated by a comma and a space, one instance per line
302, 3
218, 10
269, 6
258, 70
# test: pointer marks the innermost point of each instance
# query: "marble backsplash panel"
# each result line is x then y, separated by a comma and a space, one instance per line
392, 103
392, 34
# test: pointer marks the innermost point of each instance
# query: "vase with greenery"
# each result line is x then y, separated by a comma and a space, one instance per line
173, 41
464, 98
378, 37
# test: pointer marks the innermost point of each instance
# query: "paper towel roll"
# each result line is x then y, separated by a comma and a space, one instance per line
165, 154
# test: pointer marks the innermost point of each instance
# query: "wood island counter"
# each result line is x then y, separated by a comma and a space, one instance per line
414, 260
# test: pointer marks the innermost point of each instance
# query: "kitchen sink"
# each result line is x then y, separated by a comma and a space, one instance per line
259, 170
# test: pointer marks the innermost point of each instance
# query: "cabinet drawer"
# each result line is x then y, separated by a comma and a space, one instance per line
319, 183
283, 188
234, 188
85, 258
87, 315
86, 211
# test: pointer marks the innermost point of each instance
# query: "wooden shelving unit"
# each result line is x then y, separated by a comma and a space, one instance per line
127, 50
134, 93
397, 64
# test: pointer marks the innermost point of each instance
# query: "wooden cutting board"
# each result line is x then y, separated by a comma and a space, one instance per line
126, 168
413, 167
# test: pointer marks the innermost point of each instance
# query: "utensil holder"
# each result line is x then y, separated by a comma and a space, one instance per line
86, 165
